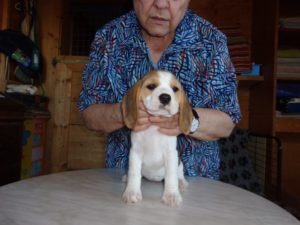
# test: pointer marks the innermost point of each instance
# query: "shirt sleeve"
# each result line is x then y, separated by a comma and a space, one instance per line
96, 86
222, 84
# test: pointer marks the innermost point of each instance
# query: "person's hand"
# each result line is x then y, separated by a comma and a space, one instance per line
143, 121
167, 125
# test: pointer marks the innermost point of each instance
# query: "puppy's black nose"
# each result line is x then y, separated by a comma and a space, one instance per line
164, 99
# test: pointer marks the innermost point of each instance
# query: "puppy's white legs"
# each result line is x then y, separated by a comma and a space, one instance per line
171, 195
132, 193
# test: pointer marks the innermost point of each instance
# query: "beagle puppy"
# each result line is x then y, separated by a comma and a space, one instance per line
153, 155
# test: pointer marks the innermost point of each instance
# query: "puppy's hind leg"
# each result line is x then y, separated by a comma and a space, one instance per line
183, 184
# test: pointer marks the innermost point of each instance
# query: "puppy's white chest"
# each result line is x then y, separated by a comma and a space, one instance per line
152, 140
153, 148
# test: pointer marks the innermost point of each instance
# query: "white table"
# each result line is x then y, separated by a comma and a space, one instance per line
94, 197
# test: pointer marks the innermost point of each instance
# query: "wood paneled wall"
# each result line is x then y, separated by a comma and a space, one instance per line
226, 13
49, 17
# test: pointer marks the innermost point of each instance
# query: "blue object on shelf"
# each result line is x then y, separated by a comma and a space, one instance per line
288, 90
255, 70
293, 107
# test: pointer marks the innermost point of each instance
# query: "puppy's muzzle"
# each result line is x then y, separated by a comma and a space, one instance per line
164, 99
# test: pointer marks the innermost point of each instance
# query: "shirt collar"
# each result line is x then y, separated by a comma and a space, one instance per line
187, 36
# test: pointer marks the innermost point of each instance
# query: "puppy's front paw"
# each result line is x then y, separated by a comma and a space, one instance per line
171, 199
131, 196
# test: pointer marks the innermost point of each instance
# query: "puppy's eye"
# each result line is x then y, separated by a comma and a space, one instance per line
175, 89
151, 86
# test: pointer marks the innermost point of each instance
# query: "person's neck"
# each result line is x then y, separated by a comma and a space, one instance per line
157, 45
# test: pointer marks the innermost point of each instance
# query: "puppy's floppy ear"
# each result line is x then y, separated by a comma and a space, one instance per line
185, 114
130, 105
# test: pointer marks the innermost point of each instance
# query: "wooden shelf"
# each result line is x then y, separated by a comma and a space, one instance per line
249, 80
289, 78
287, 123
289, 30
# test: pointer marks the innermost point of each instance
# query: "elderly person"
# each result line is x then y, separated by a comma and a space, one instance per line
165, 35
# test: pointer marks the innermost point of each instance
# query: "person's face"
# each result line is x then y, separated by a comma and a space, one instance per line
160, 17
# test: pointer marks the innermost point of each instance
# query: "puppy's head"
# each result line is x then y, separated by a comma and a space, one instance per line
162, 95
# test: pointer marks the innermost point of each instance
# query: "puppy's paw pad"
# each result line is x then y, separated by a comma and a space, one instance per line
183, 184
132, 196
172, 199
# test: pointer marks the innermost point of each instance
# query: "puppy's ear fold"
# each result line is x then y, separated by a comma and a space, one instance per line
130, 105
185, 114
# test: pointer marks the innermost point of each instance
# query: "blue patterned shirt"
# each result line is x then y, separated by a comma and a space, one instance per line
199, 58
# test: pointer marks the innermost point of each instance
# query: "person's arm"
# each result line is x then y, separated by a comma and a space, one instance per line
214, 124
103, 117
108, 118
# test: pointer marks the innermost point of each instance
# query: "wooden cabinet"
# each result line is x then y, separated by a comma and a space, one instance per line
268, 38
260, 23
287, 127
11, 126
288, 58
